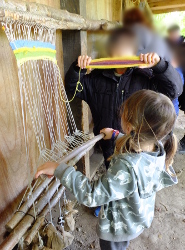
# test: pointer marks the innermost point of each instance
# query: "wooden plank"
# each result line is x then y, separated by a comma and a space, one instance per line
104, 9
96, 161
71, 40
166, 5
85, 108
161, 11
13, 168
154, 1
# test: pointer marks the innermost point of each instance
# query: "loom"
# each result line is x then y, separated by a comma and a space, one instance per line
43, 99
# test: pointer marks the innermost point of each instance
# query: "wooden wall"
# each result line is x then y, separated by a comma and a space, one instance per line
105, 9
13, 169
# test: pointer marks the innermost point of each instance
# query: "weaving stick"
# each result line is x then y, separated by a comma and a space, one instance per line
82, 148
39, 222
26, 206
116, 62
11, 241
74, 160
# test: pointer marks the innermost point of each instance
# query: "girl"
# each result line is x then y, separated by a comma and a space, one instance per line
140, 166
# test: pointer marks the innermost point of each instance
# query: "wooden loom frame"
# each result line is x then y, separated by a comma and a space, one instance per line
61, 20
51, 17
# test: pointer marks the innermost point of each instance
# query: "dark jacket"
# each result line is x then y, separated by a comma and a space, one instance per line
176, 100
181, 58
104, 92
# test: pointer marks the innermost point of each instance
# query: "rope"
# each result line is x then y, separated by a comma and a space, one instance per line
76, 90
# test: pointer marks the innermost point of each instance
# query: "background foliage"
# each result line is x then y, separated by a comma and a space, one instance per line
163, 21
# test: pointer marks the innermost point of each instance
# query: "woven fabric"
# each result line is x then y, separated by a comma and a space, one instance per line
26, 50
117, 62
17, 44
25, 54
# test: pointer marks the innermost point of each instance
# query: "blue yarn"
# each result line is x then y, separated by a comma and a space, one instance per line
30, 44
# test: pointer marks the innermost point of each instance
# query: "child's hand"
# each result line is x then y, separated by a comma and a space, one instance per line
150, 58
108, 133
47, 168
83, 61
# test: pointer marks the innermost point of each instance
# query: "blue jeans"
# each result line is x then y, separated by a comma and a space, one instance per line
111, 245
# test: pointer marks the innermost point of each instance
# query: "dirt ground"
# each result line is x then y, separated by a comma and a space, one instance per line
167, 231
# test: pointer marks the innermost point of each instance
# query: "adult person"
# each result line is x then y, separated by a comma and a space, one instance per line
148, 39
174, 34
177, 40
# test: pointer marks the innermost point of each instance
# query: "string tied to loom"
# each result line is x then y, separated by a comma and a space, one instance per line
76, 90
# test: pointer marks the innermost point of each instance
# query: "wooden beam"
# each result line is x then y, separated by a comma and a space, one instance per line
161, 11
85, 108
166, 5
49, 17
153, 1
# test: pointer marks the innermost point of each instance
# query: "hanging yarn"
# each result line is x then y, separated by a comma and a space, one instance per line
76, 90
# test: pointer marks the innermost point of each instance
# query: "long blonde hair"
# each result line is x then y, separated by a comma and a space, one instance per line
152, 117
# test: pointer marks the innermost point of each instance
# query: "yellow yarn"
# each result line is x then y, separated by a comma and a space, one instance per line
76, 90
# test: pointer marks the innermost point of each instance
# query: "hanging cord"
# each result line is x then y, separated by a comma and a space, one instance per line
76, 90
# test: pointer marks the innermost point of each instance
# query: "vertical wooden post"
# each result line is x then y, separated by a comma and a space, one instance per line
85, 108
75, 44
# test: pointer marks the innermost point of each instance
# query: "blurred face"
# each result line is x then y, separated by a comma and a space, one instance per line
174, 35
123, 47
121, 51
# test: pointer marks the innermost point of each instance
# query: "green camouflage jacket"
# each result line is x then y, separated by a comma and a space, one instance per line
126, 192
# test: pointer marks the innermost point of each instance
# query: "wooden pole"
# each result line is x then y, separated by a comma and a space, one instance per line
49, 17
26, 205
14, 237
81, 149
39, 222
73, 161
28, 219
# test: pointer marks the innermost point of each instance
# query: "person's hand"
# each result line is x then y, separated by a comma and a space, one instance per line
47, 168
151, 59
108, 133
84, 61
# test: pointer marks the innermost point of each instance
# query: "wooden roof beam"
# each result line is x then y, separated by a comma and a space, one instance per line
19, 10
168, 10
162, 5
